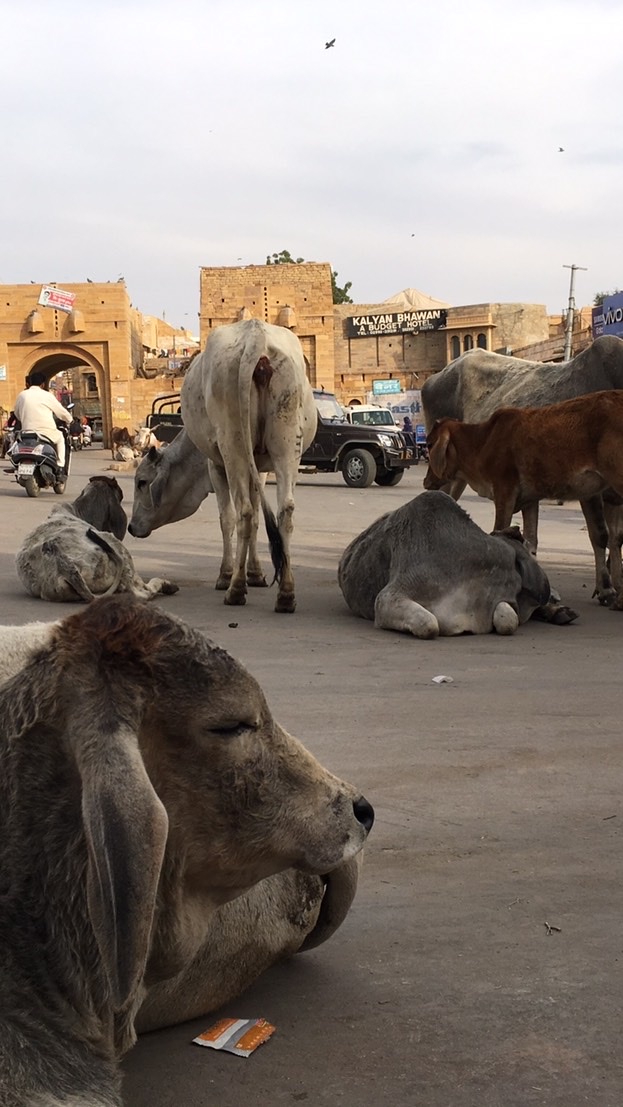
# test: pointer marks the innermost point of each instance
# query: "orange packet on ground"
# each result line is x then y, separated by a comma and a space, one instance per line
239, 1036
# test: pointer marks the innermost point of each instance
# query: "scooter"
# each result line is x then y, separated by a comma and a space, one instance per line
35, 462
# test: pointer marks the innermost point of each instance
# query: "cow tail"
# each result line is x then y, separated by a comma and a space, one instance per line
275, 540
253, 351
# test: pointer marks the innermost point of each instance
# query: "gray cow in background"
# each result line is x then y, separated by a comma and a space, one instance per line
429, 570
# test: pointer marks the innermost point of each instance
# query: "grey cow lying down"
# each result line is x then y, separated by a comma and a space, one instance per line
145, 791
428, 569
77, 554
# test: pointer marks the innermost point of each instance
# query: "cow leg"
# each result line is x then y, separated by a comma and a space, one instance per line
613, 513
593, 511
246, 509
530, 516
395, 611
227, 521
504, 506
255, 573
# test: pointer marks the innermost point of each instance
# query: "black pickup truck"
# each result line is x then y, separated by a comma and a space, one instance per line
362, 454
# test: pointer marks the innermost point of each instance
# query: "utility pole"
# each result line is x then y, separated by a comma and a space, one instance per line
570, 311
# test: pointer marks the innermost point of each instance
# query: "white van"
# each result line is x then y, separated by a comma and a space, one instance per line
371, 415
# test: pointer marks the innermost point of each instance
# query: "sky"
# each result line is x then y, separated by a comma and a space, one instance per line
145, 139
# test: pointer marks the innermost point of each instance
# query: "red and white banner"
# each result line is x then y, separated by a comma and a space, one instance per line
56, 298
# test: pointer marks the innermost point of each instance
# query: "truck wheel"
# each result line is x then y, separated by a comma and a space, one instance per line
389, 477
31, 486
359, 468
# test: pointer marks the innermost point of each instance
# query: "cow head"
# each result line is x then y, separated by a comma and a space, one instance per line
189, 791
442, 454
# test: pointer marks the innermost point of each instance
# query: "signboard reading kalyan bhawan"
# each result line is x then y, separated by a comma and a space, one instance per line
396, 322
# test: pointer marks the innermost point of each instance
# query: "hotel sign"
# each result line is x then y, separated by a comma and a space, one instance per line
396, 322
608, 318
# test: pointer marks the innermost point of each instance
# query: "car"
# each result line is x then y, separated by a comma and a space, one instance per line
362, 454
371, 415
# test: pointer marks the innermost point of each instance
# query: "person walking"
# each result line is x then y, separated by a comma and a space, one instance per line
36, 408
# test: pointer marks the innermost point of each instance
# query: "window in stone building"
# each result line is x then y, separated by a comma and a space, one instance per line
455, 345
482, 341
468, 342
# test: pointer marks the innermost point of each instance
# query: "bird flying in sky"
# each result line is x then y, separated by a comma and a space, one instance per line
561, 149
328, 45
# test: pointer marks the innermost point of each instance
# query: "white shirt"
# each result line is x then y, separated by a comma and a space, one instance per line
35, 408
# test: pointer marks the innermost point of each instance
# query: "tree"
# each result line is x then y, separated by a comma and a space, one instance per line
601, 296
284, 257
340, 295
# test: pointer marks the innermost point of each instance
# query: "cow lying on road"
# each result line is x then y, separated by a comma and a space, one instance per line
519, 456
249, 407
69, 557
428, 569
143, 786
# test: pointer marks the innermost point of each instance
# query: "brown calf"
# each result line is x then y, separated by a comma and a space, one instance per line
567, 451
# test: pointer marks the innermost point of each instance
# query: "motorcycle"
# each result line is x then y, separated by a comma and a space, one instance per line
35, 462
77, 441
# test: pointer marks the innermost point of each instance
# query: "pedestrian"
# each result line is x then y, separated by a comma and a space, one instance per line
36, 409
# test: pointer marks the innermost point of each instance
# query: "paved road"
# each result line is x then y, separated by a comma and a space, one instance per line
498, 803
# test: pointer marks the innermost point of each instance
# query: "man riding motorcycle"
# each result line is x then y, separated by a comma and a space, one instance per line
36, 409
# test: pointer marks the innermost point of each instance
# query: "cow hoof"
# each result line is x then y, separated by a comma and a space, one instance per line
235, 599
223, 583
563, 615
256, 580
617, 603
607, 597
169, 588
286, 604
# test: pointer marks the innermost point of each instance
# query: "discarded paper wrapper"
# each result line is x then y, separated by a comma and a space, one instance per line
239, 1036
441, 679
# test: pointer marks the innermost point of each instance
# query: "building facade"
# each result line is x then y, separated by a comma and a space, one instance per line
89, 341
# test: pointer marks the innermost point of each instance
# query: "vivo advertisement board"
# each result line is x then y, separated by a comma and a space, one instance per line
608, 317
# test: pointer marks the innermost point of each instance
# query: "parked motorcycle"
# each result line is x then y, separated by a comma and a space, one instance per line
35, 462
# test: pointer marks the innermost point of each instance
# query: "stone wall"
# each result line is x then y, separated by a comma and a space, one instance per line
296, 296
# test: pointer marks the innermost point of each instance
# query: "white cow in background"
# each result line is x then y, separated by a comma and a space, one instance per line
248, 406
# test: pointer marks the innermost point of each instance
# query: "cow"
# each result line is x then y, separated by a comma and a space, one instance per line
77, 553
427, 569
477, 383
144, 785
120, 440
170, 484
248, 406
519, 456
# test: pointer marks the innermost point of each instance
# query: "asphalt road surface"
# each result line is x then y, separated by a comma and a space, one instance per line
481, 964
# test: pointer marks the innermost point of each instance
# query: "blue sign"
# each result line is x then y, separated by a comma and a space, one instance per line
382, 388
420, 434
608, 317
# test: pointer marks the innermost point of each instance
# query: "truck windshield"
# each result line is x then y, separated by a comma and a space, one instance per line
329, 409
378, 418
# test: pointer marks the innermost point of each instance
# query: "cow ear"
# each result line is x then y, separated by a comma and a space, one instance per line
126, 827
439, 455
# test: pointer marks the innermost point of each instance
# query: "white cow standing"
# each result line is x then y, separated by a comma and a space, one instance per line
248, 406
